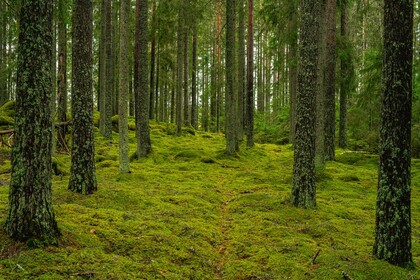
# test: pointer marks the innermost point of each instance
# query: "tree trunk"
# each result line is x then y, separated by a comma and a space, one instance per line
62, 71
107, 133
102, 68
82, 174
303, 189
123, 87
345, 79
293, 75
30, 213
231, 123
185, 76
152, 62
194, 116
330, 62
179, 67
320, 93
250, 77
142, 94
393, 206
3, 93
241, 69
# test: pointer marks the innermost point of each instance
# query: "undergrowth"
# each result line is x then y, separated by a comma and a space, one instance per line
191, 212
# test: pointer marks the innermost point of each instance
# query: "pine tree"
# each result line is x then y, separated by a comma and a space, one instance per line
82, 174
303, 189
231, 124
393, 207
123, 87
142, 93
250, 77
30, 213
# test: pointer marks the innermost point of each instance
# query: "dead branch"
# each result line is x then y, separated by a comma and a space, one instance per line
315, 256
346, 276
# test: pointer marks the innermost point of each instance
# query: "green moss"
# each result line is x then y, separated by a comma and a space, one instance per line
189, 211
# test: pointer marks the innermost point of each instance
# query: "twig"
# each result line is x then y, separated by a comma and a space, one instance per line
315, 256
346, 276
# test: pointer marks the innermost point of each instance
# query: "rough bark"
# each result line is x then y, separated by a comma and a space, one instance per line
320, 93
62, 72
194, 115
3, 93
293, 76
30, 213
393, 206
179, 71
186, 105
345, 78
230, 101
152, 62
142, 94
107, 133
123, 87
303, 189
82, 173
102, 68
241, 69
250, 77
330, 62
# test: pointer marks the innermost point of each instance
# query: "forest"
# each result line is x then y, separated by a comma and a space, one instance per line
209, 139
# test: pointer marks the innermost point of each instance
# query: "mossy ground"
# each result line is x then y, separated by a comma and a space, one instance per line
191, 212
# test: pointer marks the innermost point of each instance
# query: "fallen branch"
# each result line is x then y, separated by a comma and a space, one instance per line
346, 276
5, 171
315, 256
8, 131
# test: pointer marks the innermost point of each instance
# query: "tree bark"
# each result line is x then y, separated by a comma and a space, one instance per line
393, 206
30, 212
142, 94
82, 174
185, 76
241, 69
303, 189
179, 67
230, 102
123, 87
152, 62
194, 116
62, 72
330, 62
250, 77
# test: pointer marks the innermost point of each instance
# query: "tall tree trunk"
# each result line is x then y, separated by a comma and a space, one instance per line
194, 116
156, 92
142, 94
231, 123
114, 58
107, 97
102, 68
3, 93
30, 213
213, 88
123, 87
62, 70
241, 69
303, 186
393, 206
219, 64
185, 76
345, 79
330, 62
179, 67
173, 98
293, 74
82, 173
152, 61
250, 77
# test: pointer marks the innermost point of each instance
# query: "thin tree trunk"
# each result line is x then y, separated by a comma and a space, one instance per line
330, 80
142, 94
152, 61
62, 70
179, 67
123, 87
250, 76
241, 69
194, 116
185, 76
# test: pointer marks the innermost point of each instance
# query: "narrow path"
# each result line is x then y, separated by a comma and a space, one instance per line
225, 224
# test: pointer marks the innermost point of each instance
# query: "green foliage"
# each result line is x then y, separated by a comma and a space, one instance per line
188, 211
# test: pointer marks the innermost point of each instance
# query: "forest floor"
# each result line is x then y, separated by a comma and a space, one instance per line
191, 212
